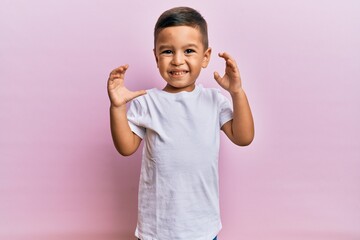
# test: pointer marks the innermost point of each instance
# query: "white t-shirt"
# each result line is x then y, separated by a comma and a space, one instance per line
178, 188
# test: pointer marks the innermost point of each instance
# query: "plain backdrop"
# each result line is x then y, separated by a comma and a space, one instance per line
61, 177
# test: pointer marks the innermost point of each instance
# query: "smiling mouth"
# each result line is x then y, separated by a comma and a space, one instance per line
178, 73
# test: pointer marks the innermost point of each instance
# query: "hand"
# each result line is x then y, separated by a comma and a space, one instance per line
119, 95
231, 80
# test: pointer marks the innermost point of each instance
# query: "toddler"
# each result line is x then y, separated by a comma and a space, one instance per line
180, 125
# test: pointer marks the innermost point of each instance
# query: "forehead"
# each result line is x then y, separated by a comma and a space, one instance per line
178, 35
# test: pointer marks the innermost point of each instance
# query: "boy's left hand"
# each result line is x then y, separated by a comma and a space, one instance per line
231, 80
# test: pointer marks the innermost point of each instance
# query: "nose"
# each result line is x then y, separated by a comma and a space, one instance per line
178, 59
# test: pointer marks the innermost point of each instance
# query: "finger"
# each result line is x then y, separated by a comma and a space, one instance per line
217, 77
114, 76
225, 55
119, 70
117, 76
139, 93
228, 59
232, 64
113, 83
122, 68
136, 94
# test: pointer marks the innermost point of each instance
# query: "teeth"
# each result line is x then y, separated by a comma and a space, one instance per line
178, 73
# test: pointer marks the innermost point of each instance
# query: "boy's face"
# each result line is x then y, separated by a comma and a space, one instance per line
180, 55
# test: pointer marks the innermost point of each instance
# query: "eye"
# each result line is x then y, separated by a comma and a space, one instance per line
189, 51
166, 52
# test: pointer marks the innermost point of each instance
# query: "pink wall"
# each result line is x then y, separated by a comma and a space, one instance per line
60, 176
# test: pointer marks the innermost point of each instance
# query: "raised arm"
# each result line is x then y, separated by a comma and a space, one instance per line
125, 141
240, 130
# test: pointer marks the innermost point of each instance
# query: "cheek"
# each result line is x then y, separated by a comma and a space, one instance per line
159, 62
199, 63
162, 65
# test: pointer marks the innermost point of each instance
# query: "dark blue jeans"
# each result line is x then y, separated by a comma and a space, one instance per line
213, 239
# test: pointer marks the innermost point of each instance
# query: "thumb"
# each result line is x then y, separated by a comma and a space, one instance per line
217, 77
136, 94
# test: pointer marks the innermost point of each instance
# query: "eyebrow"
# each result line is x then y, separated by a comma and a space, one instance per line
161, 47
190, 45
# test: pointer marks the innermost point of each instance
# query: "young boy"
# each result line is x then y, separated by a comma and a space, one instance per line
180, 124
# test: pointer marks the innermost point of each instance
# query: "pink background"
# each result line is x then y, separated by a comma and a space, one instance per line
60, 176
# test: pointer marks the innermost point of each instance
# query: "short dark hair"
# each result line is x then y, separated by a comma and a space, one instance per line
182, 16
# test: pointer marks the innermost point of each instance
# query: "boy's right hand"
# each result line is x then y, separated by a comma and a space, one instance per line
119, 95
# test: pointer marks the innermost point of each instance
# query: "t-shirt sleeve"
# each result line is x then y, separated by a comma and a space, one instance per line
135, 115
225, 109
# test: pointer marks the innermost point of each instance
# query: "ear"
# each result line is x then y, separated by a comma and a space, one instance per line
156, 58
206, 59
